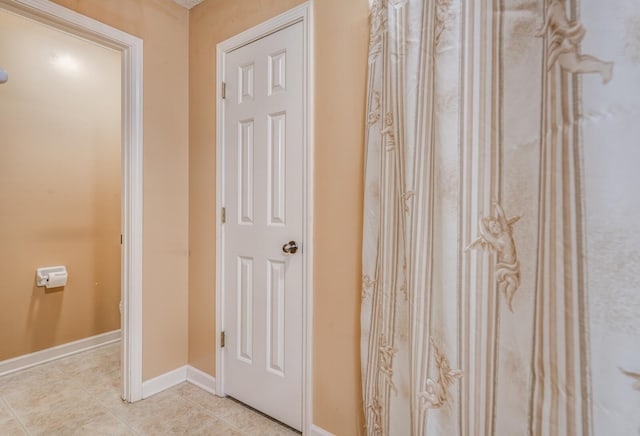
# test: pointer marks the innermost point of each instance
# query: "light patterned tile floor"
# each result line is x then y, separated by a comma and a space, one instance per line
79, 395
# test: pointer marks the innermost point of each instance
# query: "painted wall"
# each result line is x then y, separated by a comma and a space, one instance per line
59, 185
163, 26
341, 42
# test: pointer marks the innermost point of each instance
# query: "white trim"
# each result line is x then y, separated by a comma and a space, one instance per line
303, 14
58, 352
186, 373
266, 28
220, 62
201, 379
188, 4
164, 381
130, 46
309, 122
314, 430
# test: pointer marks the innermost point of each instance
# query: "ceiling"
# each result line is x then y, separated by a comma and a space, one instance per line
188, 3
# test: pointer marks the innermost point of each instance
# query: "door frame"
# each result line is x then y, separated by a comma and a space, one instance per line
300, 14
59, 17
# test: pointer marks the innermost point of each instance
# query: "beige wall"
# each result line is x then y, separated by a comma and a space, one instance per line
341, 42
163, 26
59, 185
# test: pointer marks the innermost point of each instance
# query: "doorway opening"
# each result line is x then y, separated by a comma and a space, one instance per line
118, 208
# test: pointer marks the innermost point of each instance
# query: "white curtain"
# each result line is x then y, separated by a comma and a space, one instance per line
501, 251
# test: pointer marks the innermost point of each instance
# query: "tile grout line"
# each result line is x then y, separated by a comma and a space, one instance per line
68, 377
84, 387
126, 424
224, 419
212, 414
108, 411
15, 415
104, 408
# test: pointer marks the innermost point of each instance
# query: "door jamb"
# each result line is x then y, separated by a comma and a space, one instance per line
304, 14
64, 19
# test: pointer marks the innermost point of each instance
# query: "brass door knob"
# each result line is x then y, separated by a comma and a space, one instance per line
290, 248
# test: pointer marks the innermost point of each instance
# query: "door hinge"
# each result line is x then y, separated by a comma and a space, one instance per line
223, 215
224, 90
120, 239
221, 339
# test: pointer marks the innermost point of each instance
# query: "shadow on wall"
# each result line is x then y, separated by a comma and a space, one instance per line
44, 312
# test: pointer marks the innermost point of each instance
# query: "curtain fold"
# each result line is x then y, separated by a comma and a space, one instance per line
401, 129
488, 185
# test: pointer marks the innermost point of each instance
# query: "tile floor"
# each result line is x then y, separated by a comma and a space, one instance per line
79, 395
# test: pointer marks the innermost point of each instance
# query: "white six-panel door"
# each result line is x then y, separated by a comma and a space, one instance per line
263, 192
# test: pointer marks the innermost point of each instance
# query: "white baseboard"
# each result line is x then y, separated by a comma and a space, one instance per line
177, 376
164, 381
314, 430
47, 355
201, 379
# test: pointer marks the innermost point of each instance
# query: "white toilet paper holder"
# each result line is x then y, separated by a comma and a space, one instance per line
42, 274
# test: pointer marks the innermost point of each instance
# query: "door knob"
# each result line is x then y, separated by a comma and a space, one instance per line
290, 248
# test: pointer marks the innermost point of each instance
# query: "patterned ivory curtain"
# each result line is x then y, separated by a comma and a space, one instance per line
501, 252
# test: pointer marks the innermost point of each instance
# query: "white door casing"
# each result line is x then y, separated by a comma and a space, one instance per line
264, 199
